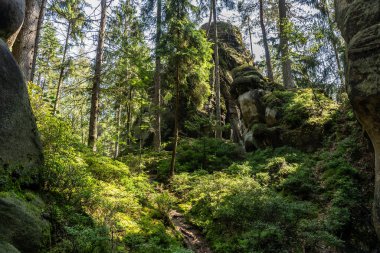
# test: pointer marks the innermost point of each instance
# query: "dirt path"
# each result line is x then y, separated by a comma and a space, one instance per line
193, 238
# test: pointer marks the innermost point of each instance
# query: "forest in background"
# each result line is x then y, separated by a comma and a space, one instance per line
163, 133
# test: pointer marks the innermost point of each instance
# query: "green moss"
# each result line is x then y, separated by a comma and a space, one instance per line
22, 225
7, 248
303, 107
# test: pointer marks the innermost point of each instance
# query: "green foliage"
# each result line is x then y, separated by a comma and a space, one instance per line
239, 215
282, 200
97, 203
303, 107
203, 154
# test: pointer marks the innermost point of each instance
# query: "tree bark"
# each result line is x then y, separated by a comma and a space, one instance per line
157, 82
250, 37
94, 114
265, 42
217, 76
62, 69
23, 47
176, 126
118, 122
129, 118
286, 63
38, 36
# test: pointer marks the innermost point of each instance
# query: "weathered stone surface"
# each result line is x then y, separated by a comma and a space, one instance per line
359, 21
232, 54
12, 16
251, 107
19, 141
7, 248
271, 116
22, 226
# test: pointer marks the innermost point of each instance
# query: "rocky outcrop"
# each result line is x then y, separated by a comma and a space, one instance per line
274, 116
232, 54
12, 16
21, 228
19, 141
359, 21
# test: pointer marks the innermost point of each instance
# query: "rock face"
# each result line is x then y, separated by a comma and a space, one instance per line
12, 16
274, 116
21, 227
19, 141
232, 54
359, 21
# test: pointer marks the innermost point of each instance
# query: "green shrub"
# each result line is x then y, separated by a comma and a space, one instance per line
239, 215
209, 154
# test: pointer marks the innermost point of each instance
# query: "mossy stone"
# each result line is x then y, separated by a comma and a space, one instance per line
21, 224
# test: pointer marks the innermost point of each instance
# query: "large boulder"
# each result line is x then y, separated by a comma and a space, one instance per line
19, 140
232, 54
12, 16
21, 226
359, 21
7, 248
274, 116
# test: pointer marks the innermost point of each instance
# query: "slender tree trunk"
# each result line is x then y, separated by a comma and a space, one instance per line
176, 126
217, 77
38, 36
265, 42
286, 63
209, 20
23, 47
157, 83
129, 117
93, 133
250, 37
118, 123
62, 68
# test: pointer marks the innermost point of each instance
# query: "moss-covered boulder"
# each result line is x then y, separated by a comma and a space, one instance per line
19, 140
247, 78
275, 117
7, 248
22, 227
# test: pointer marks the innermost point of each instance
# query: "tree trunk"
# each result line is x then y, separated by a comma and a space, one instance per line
37, 40
157, 83
129, 117
265, 42
62, 69
217, 77
118, 122
286, 63
176, 126
250, 37
209, 20
23, 47
93, 133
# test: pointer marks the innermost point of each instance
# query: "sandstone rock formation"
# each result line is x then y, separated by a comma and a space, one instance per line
21, 227
274, 116
12, 16
19, 141
232, 54
359, 21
